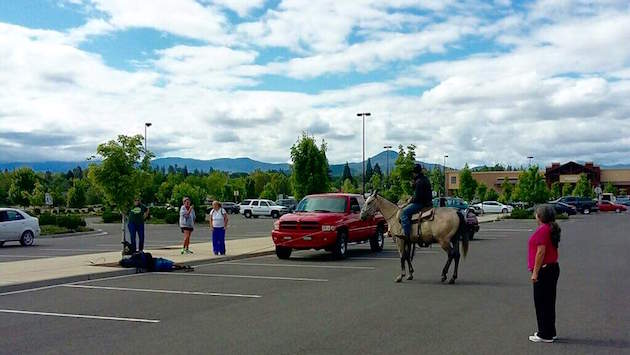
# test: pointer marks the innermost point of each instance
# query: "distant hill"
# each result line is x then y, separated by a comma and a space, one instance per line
244, 165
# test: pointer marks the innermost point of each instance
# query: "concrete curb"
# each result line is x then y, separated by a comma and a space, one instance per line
120, 271
95, 233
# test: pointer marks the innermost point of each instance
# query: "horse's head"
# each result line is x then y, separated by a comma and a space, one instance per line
370, 207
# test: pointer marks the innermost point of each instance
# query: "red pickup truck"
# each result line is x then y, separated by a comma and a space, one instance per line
330, 222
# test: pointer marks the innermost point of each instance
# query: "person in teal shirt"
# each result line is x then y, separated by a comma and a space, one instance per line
137, 214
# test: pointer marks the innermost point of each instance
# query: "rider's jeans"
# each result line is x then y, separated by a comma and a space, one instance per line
405, 216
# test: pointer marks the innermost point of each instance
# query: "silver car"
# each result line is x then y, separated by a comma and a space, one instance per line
17, 225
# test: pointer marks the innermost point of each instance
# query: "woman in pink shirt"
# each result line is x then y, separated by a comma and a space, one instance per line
542, 262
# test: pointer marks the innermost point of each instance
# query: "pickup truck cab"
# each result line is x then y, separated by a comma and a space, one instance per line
329, 222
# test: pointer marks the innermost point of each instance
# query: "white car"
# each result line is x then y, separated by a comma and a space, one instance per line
256, 208
17, 225
493, 207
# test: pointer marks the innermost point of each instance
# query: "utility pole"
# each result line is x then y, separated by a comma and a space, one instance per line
445, 179
363, 115
387, 148
146, 125
530, 161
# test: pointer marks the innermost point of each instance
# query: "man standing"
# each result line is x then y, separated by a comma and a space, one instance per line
137, 214
422, 198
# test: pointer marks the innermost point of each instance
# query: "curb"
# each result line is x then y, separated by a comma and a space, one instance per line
95, 233
119, 271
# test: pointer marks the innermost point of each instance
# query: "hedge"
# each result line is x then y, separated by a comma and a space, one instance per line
67, 221
171, 217
111, 217
519, 213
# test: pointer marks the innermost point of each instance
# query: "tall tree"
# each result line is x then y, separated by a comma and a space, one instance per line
531, 187
507, 189
77, 194
583, 187
368, 170
567, 189
467, 185
310, 167
437, 181
610, 188
482, 189
377, 171
347, 174
491, 195
556, 190
22, 185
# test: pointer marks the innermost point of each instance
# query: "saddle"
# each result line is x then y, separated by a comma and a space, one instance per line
426, 214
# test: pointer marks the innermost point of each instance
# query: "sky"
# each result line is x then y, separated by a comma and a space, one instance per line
483, 82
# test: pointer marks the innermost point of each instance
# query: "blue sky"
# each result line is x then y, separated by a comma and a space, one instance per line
482, 81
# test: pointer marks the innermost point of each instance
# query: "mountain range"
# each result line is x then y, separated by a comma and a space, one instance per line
232, 165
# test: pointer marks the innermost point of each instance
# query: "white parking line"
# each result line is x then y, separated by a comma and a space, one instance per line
505, 230
70, 283
295, 265
164, 291
29, 256
77, 249
67, 315
242, 276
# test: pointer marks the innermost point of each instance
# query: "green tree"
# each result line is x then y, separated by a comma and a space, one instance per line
482, 189
531, 187
250, 188
368, 170
491, 195
38, 197
567, 189
377, 170
347, 174
77, 196
610, 188
556, 190
22, 185
310, 167
348, 187
5, 184
583, 187
196, 194
376, 182
507, 189
467, 185
118, 175
437, 181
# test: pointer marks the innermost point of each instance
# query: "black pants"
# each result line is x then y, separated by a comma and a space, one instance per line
545, 300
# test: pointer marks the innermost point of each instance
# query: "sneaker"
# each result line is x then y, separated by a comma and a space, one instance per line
554, 337
188, 251
536, 339
183, 251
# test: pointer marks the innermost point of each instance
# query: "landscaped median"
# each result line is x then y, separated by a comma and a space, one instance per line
43, 272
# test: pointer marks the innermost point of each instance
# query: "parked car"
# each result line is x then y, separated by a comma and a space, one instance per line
17, 225
329, 222
289, 203
475, 209
607, 206
562, 207
257, 208
494, 207
230, 207
623, 201
454, 202
582, 204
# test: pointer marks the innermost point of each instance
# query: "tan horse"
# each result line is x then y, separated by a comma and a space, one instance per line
447, 228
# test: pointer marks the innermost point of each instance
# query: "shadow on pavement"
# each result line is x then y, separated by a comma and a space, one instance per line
602, 343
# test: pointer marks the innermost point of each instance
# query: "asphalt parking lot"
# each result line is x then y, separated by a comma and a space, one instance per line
313, 304
157, 236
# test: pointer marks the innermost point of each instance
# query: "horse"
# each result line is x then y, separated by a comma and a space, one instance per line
447, 228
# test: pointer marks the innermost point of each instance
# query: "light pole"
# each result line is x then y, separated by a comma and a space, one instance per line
146, 125
445, 179
530, 160
363, 115
387, 148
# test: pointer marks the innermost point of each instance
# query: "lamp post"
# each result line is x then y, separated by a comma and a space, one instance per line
363, 115
530, 160
387, 148
146, 125
445, 179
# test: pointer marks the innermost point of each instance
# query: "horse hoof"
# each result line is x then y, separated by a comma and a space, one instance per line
410, 277
443, 278
398, 279
451, 281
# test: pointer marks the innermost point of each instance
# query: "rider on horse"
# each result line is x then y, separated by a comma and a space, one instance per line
422, 198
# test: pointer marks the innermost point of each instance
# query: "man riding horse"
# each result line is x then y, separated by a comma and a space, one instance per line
421, 199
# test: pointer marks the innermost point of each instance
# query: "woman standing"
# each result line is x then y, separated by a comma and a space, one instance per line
187, 223
542, 262
218, 220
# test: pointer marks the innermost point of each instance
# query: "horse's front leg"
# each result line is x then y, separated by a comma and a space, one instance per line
409, 250
456, 257
449, 252
403, 254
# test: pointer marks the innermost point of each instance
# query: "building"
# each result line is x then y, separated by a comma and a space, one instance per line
492, 179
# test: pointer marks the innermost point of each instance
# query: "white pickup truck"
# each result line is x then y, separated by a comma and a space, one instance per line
255, 208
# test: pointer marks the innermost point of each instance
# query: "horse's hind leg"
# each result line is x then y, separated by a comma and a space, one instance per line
449, 252
403, 256
409, 258
456, 255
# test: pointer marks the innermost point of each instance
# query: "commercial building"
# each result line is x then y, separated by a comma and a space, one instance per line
492, 179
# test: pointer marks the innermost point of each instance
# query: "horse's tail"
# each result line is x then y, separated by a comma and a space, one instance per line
462, 231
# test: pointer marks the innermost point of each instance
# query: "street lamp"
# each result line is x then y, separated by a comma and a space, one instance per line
146, 125
530, 160
445, 179
387, 148
363, 115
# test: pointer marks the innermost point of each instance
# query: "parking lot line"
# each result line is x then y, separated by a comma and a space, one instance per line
68, 315
194, 293
294, 265
506, 230
281, 278
70, 283
28, 256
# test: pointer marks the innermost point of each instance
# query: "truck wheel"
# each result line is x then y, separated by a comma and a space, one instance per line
248, 214
340, 249
275, 214
586, 211
283, 252
377, 241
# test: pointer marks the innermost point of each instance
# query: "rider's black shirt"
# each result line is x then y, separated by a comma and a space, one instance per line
422, 191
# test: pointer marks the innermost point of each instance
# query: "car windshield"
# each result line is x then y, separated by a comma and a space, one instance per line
322, 204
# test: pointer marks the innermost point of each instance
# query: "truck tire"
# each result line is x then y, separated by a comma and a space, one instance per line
283, 252
340, 249
247, 214
377, 241
275, 214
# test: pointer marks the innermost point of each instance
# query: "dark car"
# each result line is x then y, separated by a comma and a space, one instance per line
562, 207
582, 204
230, 207
289, 203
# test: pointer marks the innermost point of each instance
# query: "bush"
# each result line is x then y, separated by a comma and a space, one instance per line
70, 221
171, 217
158, 212
47, 219
200, 216
111, 217
519, 213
